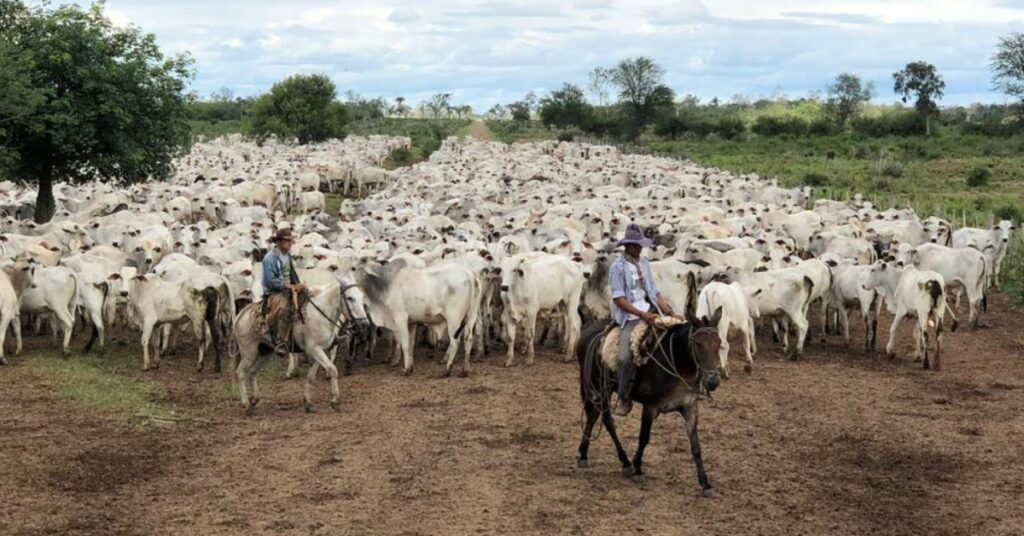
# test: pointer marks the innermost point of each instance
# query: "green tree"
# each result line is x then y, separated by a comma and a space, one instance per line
846, 96
302, 107
1008, 66
599, 83
566, 106
921, 81
105, 103
520, 111
642, 90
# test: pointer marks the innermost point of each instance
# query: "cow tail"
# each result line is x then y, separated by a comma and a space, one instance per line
983, 283
691, 300
809, 288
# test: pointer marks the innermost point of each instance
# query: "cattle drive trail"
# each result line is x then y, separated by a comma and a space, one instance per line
479, 131
839, 443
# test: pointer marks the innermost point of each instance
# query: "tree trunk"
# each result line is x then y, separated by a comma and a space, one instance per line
928, 125
45, 206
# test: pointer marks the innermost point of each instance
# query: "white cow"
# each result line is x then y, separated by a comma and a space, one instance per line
735, 305
917, 293
443, 296
54, 290
537, 282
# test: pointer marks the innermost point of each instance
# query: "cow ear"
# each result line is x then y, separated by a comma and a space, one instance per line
519, 272
140, 277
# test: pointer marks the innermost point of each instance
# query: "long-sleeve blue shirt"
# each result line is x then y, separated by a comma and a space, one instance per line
277, 270
623, 287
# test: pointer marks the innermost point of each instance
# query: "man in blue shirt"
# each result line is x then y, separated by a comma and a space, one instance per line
280, 280
633, 293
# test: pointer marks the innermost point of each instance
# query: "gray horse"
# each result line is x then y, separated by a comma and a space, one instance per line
331, 310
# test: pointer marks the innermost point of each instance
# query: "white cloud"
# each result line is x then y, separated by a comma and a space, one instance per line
487, 51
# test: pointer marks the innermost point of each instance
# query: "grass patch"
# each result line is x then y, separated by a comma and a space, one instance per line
102, 383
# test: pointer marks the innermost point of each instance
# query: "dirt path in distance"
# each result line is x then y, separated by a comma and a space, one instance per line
479, 131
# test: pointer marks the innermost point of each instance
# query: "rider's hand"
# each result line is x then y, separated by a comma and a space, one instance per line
650, 318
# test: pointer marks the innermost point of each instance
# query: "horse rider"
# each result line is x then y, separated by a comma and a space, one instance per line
635, 299
281, 287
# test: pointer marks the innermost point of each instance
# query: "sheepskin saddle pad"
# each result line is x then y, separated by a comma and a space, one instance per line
610, 346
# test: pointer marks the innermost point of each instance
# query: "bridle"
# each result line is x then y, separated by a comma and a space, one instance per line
669, 367
343, 327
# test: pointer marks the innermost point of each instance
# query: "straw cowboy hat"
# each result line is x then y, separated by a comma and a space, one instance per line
284, 234
634, 235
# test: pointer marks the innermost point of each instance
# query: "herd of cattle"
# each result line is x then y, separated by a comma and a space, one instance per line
478, 243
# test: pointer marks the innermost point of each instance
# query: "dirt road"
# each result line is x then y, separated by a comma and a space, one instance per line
838, 443
479, 131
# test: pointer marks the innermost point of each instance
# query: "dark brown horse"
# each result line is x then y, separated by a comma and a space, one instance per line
684, 362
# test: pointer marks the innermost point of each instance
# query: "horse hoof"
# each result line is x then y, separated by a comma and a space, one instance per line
582, 464
336, 406
463, 373
445, 373
628, 471
508, 364
405, 372
639, 479
708, 493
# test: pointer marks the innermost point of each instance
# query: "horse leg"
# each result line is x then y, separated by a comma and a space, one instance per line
320, 358
592, 414
646, 421
307, 389
609, 424
690, 418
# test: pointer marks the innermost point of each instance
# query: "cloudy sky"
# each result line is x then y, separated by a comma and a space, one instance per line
491, 51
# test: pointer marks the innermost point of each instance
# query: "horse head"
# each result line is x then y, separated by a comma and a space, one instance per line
704, 346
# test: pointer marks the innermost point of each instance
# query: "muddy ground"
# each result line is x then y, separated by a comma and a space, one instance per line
838, 443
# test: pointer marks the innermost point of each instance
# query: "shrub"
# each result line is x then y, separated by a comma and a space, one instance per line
730, 127
892, 169
815, 179
1008, 212
883, 184
862, 152
822, 127
903, 123
568, 135
767, 125
978, 177
1012, 275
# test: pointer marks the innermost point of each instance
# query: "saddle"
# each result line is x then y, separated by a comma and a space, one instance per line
639, 342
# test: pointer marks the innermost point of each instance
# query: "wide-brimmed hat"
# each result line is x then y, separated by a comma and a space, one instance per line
284, 234
634, 235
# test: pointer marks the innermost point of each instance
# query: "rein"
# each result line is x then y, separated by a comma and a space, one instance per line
345, 326
670, 366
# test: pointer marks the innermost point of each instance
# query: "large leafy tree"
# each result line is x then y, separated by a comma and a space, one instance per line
1008, 66
642, 89
566, 106
846, 96
919, 80
91, 101
301, 107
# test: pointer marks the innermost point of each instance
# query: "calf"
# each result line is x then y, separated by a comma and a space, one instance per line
912, 292
733, 301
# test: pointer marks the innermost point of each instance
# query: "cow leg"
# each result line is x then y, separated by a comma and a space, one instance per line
747, 339
16, 326
937, 365
98, 330
402, 334
147, 335
5, 320
646, 421
752, 335
453, 348
801, 334
573, 328
922, 328
690, 414
510, 332
199, 330
67, 321
844, 324
896, 319
723, 352
529, 337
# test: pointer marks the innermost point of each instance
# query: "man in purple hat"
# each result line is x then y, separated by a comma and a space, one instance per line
633, 293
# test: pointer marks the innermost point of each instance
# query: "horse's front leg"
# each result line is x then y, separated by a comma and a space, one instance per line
690, 418
646, 421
